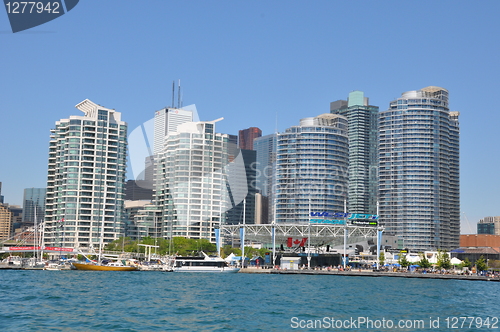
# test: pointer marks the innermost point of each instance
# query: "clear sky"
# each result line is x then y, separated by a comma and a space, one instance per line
251, 62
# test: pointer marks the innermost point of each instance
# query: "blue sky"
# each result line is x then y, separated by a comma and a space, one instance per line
251, 62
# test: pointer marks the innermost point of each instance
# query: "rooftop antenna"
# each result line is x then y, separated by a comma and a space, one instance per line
179, 95
173, 93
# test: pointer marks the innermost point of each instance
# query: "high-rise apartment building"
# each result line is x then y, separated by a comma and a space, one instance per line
86, 178
246, 137
142, 219
5, 222
34, 205
419, 170
265, 146
311, 170
190, 184
362, 120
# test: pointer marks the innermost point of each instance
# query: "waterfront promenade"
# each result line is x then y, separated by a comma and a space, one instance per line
367, 273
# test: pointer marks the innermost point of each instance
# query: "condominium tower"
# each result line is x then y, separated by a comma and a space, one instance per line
311, 170
190, 184
419, 170
362, 119
86, 178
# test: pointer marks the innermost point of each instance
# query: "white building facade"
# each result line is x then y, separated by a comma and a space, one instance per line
86, 178
190, 184
166, 121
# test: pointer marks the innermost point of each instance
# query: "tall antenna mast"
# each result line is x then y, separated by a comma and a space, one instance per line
276, 128
179, 95
173, 94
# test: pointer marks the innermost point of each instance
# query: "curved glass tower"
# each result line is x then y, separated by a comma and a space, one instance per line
312, 168
419, 170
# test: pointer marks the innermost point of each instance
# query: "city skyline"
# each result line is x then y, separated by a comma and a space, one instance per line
261, 64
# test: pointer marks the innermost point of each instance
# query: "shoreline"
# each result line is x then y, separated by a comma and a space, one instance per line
372, 274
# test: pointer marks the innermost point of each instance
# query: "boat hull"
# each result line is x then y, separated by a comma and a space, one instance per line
91, 267
205, 269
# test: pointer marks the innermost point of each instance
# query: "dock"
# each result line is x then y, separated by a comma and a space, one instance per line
367, 273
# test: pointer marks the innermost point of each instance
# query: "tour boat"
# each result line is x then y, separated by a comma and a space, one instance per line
203, 264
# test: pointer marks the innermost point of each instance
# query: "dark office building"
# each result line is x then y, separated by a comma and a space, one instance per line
246, 137
136, 191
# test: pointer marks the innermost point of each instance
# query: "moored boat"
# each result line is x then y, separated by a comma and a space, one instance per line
203, 264
108, 267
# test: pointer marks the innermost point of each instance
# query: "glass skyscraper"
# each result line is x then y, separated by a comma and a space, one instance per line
34, 200
265, 175
419, 170
363, 151
239, 178
86, 178
311, 170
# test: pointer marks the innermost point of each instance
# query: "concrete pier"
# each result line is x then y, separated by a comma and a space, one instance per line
372, 274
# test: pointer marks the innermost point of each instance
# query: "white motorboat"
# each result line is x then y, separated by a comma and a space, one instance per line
203, 264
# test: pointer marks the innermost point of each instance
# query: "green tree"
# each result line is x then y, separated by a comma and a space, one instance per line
249, 251
381, 258
466, 263
443, 260
228, 250
423, 262
403, 261
122, 244
178, 245
481, 264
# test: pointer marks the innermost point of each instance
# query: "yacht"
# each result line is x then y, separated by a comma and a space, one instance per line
203, 264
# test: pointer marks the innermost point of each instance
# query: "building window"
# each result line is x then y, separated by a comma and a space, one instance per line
102, 115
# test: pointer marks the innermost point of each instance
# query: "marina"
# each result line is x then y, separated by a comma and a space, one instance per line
37, 301
218, 265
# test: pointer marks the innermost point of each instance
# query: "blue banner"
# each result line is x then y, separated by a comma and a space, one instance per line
217, 240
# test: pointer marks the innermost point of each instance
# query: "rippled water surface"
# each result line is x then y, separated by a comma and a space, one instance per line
158, 301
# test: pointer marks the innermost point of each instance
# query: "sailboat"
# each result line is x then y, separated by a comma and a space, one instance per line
33, 263
99, 265
115, 266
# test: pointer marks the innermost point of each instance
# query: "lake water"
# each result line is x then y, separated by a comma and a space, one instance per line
159, 301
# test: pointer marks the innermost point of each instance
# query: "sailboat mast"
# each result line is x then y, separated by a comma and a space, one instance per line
243, 233
101, 236
35, 234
